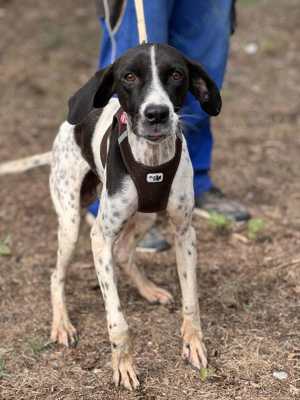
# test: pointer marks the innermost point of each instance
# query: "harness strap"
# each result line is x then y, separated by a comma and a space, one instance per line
153, 183
118, 126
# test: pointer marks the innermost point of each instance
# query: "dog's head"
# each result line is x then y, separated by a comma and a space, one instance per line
151, 82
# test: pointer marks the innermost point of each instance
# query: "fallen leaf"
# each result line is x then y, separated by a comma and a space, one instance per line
4, 247
203, 374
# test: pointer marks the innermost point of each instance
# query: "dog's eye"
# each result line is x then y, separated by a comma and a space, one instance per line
130, 77
177, 76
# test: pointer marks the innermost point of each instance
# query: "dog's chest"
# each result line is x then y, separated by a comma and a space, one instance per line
153, 183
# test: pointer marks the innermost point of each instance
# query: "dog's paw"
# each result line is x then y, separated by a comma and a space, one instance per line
155, 294
124, 372
194, 350
64, 333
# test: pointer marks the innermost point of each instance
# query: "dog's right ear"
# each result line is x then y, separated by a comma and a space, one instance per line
94, 94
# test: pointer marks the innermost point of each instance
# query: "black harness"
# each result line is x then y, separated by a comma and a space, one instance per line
153, 184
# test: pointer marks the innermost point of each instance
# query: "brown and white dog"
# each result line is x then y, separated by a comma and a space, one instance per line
150, 83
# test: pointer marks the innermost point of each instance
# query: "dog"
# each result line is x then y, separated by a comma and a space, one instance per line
145, 88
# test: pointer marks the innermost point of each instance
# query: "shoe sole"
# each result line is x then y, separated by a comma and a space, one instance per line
201, 213
144, 250
206, 215
152, 249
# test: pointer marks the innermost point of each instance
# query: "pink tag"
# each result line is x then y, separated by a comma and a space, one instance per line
123, 118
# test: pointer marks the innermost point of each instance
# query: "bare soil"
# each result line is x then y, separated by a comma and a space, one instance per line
249, 289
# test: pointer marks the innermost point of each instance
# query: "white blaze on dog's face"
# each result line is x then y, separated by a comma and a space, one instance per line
157, 117
151, 82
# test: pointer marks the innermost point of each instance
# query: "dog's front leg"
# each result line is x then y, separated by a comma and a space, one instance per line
180, 209
104, 233
194, 350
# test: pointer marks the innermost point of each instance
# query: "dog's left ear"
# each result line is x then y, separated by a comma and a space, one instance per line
94, 94
204, 88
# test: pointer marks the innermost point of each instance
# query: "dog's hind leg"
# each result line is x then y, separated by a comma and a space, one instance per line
125, 252
67, 173
63, 331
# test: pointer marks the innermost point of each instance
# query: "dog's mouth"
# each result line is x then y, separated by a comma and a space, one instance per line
154, 133
155, 137
157, 132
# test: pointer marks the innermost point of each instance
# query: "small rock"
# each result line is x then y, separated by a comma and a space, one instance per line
251, 48
280, 375
96, 371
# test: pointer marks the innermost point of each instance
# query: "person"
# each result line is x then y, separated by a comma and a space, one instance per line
201, 30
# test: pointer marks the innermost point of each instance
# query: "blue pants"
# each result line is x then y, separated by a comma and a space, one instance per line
201, 30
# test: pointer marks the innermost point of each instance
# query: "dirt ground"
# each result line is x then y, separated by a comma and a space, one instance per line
249, 288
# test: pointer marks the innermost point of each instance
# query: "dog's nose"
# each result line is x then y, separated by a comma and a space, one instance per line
156, 114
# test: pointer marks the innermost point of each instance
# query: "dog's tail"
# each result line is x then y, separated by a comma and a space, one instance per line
24, 164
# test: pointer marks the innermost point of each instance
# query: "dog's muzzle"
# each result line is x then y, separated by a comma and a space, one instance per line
157, 122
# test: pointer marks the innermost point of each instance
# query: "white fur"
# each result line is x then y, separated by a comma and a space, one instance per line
157, 95
25, 164
151, 153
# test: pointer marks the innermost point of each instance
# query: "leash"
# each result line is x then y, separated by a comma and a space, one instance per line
141, 23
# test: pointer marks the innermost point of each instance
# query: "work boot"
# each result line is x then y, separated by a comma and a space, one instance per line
153, 242
215, 201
